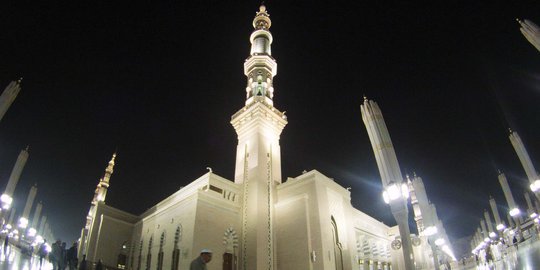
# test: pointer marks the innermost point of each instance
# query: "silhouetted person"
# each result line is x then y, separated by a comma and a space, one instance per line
6, 244
71, 257
83, 263
99, 265
42, 252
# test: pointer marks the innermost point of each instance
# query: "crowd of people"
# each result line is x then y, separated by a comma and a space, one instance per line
59, 256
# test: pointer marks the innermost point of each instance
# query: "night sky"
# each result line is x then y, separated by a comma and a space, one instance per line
158, 82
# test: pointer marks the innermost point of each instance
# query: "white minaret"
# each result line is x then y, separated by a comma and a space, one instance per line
23, 221
8, 96
99, 197
531, 32
525, 162
258, 155
104, 181
7, 197
395, 191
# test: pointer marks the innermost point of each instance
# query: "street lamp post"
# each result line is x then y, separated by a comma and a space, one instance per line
395, 190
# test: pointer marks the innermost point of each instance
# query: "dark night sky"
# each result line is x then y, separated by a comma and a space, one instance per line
160, 81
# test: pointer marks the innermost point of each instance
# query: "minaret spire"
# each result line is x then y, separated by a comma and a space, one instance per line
101, 190
260, 67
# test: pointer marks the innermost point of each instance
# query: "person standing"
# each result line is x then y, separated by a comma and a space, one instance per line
55, 255
200, 262
42, 252
71, 257
62, 261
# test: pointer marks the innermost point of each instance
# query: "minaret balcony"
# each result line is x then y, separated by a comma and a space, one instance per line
260, 61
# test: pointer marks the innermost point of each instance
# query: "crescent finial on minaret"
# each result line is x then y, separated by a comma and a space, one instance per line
262, 18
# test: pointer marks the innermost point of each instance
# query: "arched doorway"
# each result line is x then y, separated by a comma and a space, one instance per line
338, 253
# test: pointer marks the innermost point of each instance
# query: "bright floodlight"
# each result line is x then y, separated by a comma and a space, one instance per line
511, 232
394, 192
487, 240
535, 186
514, 212
39, 239
6, 201
492, 235
537, 220
500, 227
405, 190
439, 242
32, 232
533, 215
8, 226
47, 248
23, 222
431, 230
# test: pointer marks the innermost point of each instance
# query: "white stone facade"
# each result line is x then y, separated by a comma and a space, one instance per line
254, 221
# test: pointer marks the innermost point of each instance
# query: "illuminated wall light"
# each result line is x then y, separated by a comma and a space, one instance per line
533, 215
500, 227
439, 242
492, 235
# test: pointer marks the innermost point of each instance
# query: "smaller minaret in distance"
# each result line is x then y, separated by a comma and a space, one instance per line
8, 96
7, 196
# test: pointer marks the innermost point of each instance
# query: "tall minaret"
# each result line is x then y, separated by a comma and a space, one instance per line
99, 196
258, 159
8, 96
104, 181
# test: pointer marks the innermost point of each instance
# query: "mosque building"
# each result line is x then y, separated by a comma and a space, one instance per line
254, 221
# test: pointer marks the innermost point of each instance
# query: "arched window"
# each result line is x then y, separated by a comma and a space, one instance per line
230, 241
140, 256
160, 253
149, 255
176, 248
338, 254
122, 256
